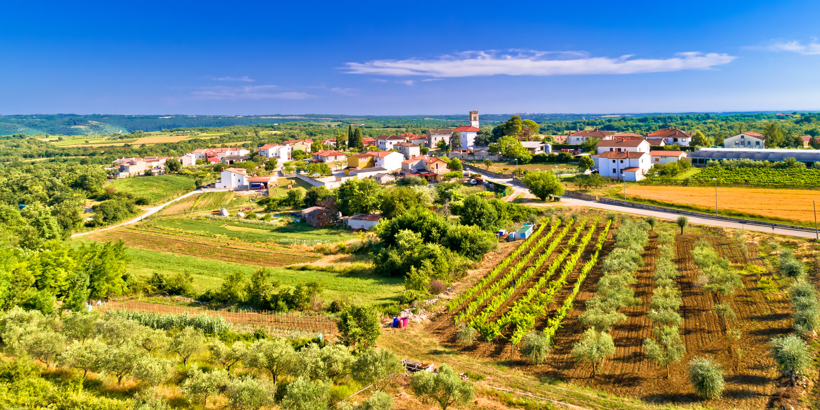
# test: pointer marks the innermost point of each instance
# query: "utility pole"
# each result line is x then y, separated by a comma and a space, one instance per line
716, 211
624, 179
814, 204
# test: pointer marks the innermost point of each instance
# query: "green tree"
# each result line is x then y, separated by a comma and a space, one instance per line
682, 223
455, 140
443, 146
119, 361
455, 164
316, 146
483, 137
593, 348
377, 401
585, 163
376, 367
477, 211
304, 394
791, 355
358, 326
186, 343
319, 168
249, 393
465, 334
337, 361
350, 138
357, 142
533, 126
271, 164
199, 385
173, 165
276, 356
153, 371
706, 377
295, 198
356, 196
397, 201
84, 356
667, 349
445, 387
225, 356
315, 195
151, 339
487, 163
774, 135
543, 184
536, 347
700, 140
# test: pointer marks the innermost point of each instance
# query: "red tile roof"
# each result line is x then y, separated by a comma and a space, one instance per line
591, 133
466, 128
631, 142
390, 138
326, 153
665, 153
753, 134
669, 132
628, 135
439, 132
259, 179
633, 169
370, 217
805, 138
620, 155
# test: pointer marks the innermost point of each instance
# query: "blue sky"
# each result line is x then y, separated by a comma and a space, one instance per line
142, 57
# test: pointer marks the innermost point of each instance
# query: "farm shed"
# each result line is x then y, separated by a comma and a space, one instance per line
704, 155
633, 174
318, 216
262, 182
522, 233
363, 221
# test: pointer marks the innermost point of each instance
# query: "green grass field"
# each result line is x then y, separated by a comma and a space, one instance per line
209, 274
252, 232
156, 189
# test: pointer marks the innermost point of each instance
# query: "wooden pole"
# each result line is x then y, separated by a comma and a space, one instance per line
816, 236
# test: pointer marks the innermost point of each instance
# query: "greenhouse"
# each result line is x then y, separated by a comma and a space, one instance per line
704, 155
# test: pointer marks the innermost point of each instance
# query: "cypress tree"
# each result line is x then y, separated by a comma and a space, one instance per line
357, 141
350, 135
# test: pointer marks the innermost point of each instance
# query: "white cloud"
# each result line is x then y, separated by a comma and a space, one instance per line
535, 63
379, 80
406, 82
795, 46
344, 91
251, 92
244, 79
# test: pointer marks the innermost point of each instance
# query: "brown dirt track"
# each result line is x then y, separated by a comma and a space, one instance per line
751, 376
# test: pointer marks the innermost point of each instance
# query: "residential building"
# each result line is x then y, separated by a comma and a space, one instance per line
626, 165
302, 145
656, 141
666, 157
360, 161
219, 153
384, 178
135, 166
560, 139
389, 160
436, 136
623, 145
419, 140
426, 166
580, 137
280, 152
806, 141
366, 173
386, 142
536, 147
263, 182
369, 141
318, 216
468, 134
363, 221
328, 156
409, 150
232, 159
188, 160
673, 136
233, 178
748, 139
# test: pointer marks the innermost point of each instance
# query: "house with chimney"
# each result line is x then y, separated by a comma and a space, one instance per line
279, 151
386, 142
233, 178
408, 149
747, 139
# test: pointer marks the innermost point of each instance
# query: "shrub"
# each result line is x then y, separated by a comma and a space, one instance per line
436, 286
465, 334
706, 377
791, 355
536, 347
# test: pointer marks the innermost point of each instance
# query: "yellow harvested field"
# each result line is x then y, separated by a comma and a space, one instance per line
795, 204
160, 140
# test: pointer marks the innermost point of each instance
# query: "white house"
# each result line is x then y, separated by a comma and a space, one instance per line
363, 221
436, 136
205, 153
673, 136
580, 137
630, 166
623, 145
386, 142
468, 134
280, 152
409, 150
188, 160
536, 147
746, 139
233, 178
389, 160
666, 157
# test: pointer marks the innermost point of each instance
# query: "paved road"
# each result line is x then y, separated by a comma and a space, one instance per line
517, 187
148, 212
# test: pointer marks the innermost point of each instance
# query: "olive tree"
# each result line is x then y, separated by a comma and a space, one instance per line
338, 361
152, 370
445, 387
682, 223
199, 385
276, 356
536, 347
543, 184
706, 377
119, 360
304, 394
593, 348
358, 326
806, 307
152, 339
249, 393
376, 367
667, 349
226, 356
84, 356
187, 343
465, 334
791, 355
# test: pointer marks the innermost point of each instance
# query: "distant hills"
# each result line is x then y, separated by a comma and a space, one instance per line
72, 124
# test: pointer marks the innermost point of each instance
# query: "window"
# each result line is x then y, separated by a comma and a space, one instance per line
656, 159
613, 170
622, 161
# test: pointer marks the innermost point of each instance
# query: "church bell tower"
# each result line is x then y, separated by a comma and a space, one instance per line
474, 118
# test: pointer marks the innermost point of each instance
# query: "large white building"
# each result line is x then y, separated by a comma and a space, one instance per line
233, 178
387, 142
623, 145
280, 152
467, 132
746, 139
389, 160
624, 165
